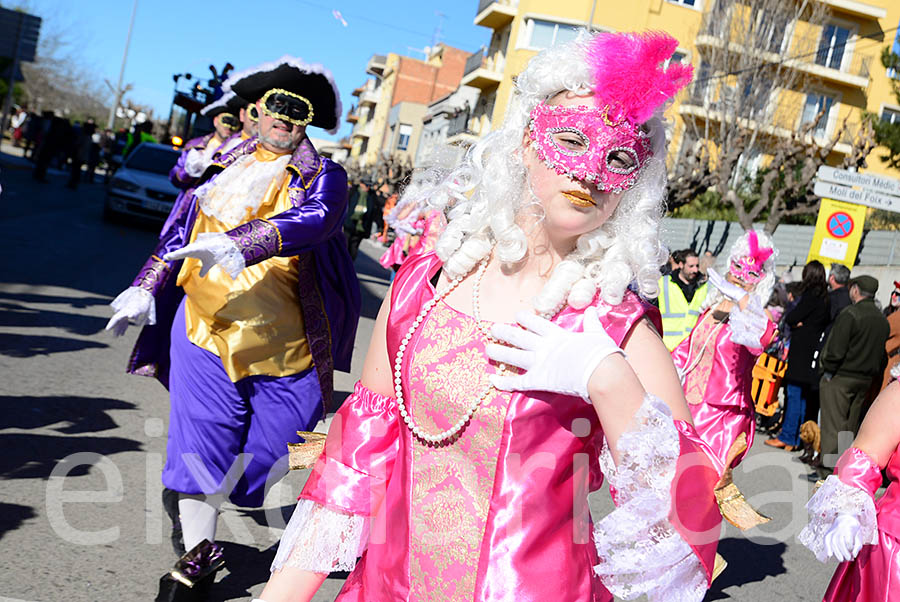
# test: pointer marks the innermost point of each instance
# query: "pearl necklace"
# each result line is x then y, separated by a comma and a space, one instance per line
448, 434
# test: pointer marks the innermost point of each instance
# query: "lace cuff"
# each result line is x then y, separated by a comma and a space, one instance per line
833, 498
227, 255
321, 540
748, 326
640, 550
257, 240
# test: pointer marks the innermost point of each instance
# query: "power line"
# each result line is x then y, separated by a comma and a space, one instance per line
365, 19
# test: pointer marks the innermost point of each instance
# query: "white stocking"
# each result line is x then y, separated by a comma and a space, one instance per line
198, 518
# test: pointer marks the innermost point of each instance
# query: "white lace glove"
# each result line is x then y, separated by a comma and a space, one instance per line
195, 163
730, 290
843, 541
554, 358
135, 304
212, 248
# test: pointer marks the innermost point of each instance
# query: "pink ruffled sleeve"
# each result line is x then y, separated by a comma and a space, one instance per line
851, 491
352, 473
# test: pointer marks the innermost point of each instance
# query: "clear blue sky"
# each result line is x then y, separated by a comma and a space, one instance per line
186, 36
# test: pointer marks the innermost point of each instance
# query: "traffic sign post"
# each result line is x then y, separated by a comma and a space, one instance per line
845, 195
838, 232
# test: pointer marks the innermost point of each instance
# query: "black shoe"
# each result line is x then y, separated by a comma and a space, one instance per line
192, 577
170, 503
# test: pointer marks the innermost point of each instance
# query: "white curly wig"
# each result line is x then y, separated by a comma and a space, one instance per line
483, 195
741, 248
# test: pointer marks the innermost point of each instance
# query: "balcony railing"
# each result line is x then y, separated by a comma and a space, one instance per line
839, 63
474, 62
495, 13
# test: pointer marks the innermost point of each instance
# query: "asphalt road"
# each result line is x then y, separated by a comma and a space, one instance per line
82, 443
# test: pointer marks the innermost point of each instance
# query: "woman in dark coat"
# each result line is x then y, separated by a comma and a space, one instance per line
807, 321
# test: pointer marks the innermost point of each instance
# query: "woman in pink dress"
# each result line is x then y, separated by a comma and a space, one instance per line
459, 468
845, 520
716, 360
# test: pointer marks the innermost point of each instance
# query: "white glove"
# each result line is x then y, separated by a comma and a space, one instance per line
555, 359
212, 248
843, 540
135, 304
730, 290
194, 163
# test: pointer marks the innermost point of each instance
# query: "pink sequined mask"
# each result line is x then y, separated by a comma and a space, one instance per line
749, 268
587, 144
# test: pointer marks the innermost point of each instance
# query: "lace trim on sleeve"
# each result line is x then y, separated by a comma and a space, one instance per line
748, 326
833, 498
226, 251
640, 550
321, 540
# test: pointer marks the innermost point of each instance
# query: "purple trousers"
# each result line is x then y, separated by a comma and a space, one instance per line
226, 437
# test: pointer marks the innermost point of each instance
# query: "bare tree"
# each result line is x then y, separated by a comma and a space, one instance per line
757, 65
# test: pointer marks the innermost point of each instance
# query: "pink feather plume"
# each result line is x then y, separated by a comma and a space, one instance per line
628, 72
761, 255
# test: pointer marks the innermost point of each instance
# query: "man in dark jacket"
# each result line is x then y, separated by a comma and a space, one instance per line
838, 294
852, 356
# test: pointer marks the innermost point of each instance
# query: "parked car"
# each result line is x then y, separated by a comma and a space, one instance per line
141, 187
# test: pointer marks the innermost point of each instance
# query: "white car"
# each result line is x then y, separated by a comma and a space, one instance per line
141, 187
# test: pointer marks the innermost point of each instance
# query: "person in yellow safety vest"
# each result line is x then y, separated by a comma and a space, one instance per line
680, 298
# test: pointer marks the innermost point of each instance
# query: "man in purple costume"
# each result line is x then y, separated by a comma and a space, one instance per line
250, 302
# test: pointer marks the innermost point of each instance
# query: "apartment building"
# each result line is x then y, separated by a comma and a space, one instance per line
380, 127
842, 56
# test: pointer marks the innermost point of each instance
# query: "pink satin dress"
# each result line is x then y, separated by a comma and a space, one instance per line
874, 576
500, 514
717, 385
431, 226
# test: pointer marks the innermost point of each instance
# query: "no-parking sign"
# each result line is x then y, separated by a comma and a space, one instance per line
838, 232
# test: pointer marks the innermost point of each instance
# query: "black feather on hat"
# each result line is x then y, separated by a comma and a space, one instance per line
311, 81
227, 103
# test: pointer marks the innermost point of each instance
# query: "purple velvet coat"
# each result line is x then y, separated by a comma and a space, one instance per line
311, 230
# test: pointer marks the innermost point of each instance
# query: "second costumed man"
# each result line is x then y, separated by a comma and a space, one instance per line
251, 301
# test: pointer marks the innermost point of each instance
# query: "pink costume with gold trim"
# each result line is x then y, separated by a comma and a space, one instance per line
501, 512
874, 576
717, 381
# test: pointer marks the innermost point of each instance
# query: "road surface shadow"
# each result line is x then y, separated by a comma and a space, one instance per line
83, 414
748, 562
31, 456
12, 516
75, 302
24, 345
22, 316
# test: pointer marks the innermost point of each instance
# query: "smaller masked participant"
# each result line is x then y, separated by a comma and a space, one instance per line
417, 228
234, 106
717, 358
845, 520
199, 153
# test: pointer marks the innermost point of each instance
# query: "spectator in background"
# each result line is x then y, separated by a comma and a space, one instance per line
838, 296
81, 152
33, 127
807, 320
852, 357
680, 299
93, 156
17, 124
892, 346
676, 262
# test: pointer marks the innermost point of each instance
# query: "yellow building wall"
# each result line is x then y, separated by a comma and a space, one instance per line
382, 108
684, 23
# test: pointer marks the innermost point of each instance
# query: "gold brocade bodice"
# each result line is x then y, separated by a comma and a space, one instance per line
254, 322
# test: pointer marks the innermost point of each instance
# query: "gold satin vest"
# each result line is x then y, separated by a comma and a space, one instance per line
254, 323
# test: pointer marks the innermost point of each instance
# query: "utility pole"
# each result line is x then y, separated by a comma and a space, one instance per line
13, 69
118, 92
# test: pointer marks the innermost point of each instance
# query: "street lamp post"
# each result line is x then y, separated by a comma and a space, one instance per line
118, 93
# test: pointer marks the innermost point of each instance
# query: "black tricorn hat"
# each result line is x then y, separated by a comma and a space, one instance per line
312, 81
227, 103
